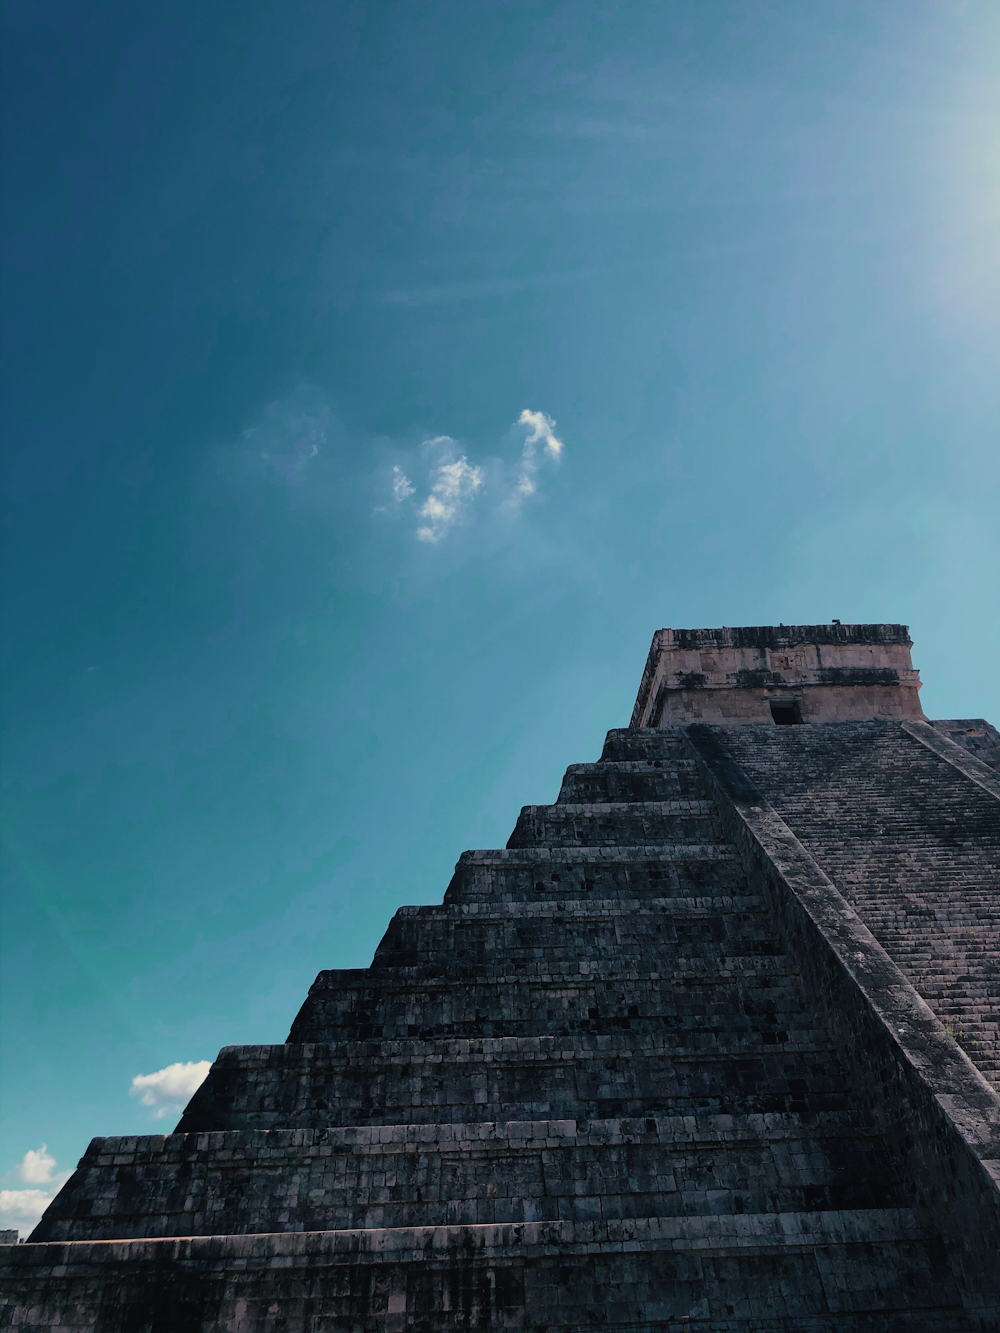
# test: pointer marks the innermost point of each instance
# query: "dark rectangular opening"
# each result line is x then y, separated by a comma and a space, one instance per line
786, 715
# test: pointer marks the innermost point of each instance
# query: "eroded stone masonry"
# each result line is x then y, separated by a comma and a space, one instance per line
711, 1045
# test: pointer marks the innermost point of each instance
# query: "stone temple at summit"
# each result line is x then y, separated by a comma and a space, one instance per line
712, 1045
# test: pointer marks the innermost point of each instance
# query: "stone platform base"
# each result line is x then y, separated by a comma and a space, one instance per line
641, 1274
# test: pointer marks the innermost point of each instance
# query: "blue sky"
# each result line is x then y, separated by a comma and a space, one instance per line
298, 605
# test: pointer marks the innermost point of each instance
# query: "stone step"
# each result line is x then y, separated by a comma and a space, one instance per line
663, 743
357, 1006
837, 1271
607, 859
710, 982
707, 976
696, 1132
547, 908
976, 736
603, 940
615, 824
631, 780
527, 874
186, 1184
921, 864
308, 1085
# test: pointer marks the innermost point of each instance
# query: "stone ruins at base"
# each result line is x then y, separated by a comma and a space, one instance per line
713, 1044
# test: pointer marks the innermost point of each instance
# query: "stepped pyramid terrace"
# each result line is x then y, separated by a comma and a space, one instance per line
713, 1044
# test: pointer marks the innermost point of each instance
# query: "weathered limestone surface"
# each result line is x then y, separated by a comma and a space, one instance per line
922, 865
650, 1067
822, 671
910, 1072
976, 735
564, 1276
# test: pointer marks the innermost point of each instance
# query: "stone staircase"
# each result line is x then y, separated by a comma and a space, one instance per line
922, 864
587, 1091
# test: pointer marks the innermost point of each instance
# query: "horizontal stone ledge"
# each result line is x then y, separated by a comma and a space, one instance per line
569, 809
546, 974
432, 973
680, 1133
677, 851
421, 1050
543, 909
489, 1242
678, 763
691, 971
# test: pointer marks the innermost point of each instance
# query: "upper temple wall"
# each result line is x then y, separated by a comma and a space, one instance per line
818, 672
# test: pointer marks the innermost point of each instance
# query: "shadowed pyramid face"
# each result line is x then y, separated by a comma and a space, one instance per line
647, 1064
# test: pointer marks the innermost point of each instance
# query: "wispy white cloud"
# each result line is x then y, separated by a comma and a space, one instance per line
454, 482
402, 487
36, 1166
291, 433
541, 428
21, 1209
170, 1088
541, 431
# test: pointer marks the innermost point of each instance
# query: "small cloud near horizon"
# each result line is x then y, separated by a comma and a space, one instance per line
171, 1088
20, 1209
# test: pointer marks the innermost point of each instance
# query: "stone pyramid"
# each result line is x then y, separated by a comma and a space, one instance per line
707, 1047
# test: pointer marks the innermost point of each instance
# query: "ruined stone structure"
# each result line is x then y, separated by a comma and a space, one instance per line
788, 673
711, 1045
